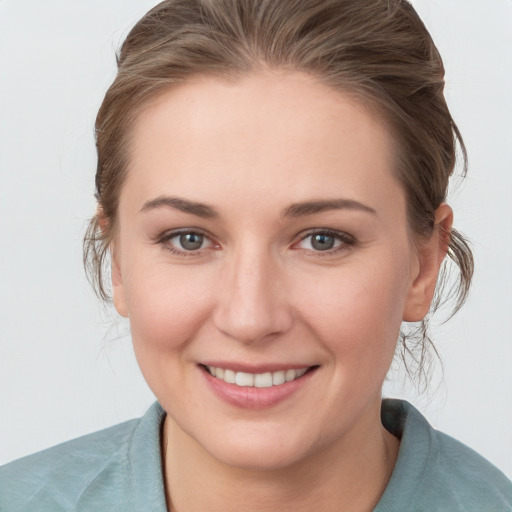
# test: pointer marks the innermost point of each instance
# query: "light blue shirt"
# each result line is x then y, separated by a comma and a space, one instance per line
119, 469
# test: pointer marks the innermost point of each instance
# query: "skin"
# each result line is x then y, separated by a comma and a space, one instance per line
258, 292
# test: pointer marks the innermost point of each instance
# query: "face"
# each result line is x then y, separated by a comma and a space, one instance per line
264, 261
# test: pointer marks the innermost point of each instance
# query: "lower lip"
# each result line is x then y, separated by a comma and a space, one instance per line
252, 397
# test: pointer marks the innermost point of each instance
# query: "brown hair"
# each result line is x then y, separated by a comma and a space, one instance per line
377, 50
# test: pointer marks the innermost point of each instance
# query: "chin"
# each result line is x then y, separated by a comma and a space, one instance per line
262, 447
252, 456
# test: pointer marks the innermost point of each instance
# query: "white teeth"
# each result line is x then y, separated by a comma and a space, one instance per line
263, 380
258, 380
290, 375
278, 378
229, 376
244, 379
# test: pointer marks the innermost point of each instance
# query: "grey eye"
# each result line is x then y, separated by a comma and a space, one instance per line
191, 241
322, 242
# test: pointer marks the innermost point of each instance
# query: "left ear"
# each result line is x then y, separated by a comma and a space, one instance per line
431, 253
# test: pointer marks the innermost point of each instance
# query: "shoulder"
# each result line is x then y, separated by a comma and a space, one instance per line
89, 473
458, 473
436, 472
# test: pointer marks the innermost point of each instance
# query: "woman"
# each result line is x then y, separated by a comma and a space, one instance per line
271, 188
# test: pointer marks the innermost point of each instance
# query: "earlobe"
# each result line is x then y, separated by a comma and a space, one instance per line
431, 254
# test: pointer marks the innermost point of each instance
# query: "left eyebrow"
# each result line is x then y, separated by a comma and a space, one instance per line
311, 207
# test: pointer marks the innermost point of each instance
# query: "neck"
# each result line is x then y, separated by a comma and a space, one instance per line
351, 475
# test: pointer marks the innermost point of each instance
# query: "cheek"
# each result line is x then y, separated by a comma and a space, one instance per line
166, 305
358, 309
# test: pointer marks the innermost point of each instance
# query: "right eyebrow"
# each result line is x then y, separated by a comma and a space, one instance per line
183, 205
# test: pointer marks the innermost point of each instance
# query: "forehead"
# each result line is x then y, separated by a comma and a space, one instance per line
277, 132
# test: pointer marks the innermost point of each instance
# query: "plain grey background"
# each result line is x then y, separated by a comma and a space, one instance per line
66, 368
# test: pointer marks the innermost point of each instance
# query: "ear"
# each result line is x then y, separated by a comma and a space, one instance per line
430, 256
118, 293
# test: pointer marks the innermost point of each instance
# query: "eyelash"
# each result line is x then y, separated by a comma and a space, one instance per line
345, 240
167, 237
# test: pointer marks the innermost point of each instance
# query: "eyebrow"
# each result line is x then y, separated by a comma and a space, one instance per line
295, 210
311, 207
184, 205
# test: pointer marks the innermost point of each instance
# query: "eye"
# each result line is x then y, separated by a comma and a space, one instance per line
188, 241
321, 242
185, 243
325, 241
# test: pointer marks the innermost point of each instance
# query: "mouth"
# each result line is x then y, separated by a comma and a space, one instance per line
257, 380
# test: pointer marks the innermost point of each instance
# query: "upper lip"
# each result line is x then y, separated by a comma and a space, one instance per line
256, 368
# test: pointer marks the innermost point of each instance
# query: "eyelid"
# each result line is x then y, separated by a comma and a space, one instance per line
166, 235
164, 240
345, 238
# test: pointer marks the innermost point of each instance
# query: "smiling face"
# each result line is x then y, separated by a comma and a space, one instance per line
262, 239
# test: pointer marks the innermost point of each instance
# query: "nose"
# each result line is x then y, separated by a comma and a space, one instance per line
252, 303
